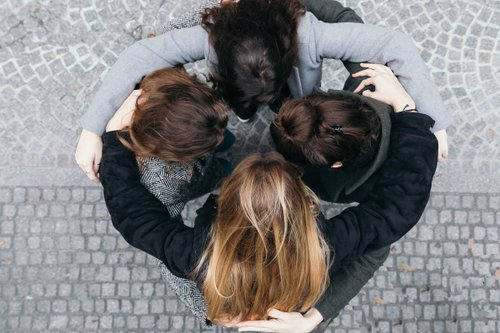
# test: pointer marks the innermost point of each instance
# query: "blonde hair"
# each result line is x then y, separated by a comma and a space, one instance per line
265, 249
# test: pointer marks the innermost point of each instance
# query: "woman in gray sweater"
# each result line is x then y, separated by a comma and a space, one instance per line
315, 40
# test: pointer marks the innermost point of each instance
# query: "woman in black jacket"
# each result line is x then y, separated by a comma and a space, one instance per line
258, 245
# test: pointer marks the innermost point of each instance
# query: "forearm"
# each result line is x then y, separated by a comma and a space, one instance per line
366, 43
141, 219
402, 192
331, 11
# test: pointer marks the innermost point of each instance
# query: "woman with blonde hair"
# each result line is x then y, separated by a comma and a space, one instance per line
262, 243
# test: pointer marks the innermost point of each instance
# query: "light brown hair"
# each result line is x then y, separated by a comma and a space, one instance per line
177, 117
265, 247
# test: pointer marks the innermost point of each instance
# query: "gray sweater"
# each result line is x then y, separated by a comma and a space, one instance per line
317, 40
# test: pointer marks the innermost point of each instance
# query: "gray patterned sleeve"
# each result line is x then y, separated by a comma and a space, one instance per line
168, 182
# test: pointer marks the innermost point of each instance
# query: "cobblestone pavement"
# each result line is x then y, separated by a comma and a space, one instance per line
63, 268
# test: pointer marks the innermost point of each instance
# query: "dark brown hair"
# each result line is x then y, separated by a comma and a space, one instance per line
177, 118
256, 46
321, 130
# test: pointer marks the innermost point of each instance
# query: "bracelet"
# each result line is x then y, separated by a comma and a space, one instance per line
408, 110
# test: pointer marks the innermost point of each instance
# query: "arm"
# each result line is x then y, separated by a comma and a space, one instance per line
331, 11
360, 42
284, 322
167, 50
170, 49
403, 190
141, 219
378, 76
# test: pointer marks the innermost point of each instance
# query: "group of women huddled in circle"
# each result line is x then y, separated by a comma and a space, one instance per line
261, 256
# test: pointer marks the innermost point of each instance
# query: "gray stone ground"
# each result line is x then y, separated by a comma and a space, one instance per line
63, 268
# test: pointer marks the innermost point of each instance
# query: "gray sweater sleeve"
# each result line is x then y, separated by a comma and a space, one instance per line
167, 50
363, 42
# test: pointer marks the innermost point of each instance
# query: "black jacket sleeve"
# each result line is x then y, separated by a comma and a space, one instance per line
142, 219
399, 197
331, 11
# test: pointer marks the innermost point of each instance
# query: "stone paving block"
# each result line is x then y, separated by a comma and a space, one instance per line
52, 226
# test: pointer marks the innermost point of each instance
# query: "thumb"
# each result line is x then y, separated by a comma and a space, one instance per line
368, 93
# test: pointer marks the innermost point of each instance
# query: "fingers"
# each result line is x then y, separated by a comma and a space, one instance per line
376, 67
277, 314
367, 72
97, 164
255, 329
442, 139
95, 169
363, 84
88, 154
442, 155
89, 170
259, 325
369, 93
92, 176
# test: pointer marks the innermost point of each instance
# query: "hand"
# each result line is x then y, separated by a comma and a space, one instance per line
442, 138
387, 87
226, 322
285, 322
123, 115
88, 154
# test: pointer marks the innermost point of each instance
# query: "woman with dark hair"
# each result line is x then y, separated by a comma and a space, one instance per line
340, 139
277, 42
256, 47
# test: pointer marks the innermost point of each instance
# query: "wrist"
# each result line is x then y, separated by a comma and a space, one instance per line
89, 133
403, 104
314, 318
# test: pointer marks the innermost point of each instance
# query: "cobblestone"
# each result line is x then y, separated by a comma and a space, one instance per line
426, 273
64, 268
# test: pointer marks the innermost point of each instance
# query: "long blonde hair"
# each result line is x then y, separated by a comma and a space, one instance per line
265, 248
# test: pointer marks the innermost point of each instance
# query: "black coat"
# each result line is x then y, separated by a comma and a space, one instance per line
402, 192
348, 184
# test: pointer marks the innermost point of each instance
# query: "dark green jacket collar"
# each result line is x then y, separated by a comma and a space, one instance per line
339, 185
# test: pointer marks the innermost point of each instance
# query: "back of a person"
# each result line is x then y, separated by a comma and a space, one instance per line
338, 138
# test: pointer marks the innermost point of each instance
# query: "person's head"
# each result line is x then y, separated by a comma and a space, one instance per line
327, 131
177, 118
256, 46
266, 249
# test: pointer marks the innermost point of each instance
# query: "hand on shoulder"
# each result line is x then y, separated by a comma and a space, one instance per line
388, 89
